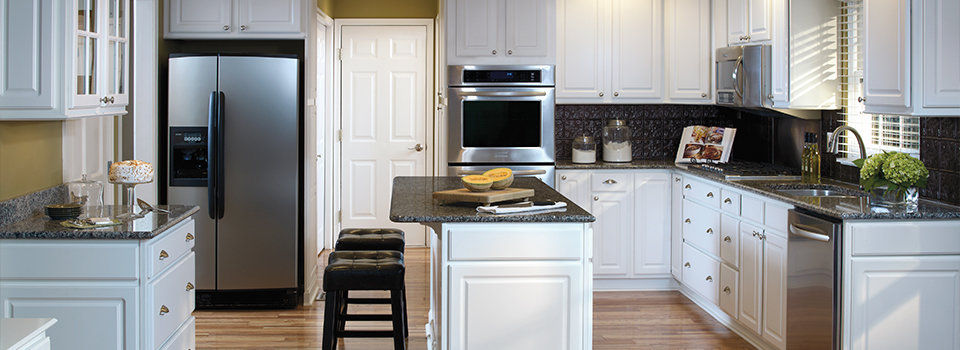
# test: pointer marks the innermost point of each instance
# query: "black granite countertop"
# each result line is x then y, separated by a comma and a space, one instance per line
412, 201
845, 208
40, 226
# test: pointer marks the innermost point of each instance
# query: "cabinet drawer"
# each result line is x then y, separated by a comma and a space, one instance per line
703, 192
729, 280
170, 300
730, 240
905, 238
183, 338
730, 202
516, 242
603, 181
751, 208
73, 260
163, 251
701, 273
701, 227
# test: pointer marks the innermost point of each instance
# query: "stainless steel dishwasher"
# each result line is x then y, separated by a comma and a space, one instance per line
813, 281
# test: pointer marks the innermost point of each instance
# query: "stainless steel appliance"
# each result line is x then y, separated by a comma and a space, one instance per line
743, 76
813, 281
234, 151
502, 116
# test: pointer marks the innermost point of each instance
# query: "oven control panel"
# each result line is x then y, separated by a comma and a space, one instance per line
501, 76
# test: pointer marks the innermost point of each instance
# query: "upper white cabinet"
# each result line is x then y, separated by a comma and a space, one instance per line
689, 56
500, 31
634, 51
912, 57
749, 21
803, 54
236, 19
72, 58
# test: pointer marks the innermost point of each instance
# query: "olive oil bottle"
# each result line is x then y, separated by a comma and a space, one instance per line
810, 159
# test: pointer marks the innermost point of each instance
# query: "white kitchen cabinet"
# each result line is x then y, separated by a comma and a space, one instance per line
729, 286
575, 185
612, 233
701, 273
730, 240
636, 51
236, 19
688, 50
651, 235
582, 44
751, 277
72, 61
905, 302
803, 81
676, 225
501, 31
911, 57
749, 21
774, 288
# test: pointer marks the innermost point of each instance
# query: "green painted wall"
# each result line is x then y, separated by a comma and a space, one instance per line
31, 158
379, 8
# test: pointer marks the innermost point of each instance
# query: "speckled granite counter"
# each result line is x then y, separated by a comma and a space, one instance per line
413, 202
42, 227
846, 208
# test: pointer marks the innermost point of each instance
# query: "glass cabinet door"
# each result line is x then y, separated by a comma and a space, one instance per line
116, 60
86, 85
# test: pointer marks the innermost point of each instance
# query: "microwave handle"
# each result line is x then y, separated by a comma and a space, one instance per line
736, 77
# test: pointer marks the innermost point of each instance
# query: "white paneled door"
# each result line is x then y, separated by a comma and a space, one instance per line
383, 119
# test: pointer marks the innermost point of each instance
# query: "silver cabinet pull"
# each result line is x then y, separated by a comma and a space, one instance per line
243, 27
687, 186
596, 198
728, 201
610, 181
190, 236
709, 194
726, 289
226, 28
112, 100
564, 177
616, 93
709, 231
861, 99
164, 310
687, 221
164, 254
601, 94
703, 95
676, 179
189, 286
509, 52
494, 52
755, 233
748, 37
687, 265
709, 279
727, 239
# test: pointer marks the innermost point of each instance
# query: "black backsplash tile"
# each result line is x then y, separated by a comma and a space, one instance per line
939, 151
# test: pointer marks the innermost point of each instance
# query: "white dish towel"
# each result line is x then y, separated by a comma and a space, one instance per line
515, 210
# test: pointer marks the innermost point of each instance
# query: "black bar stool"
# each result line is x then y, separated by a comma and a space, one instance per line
374, 239
363, 270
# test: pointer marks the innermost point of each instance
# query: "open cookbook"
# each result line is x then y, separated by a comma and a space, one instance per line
705, 144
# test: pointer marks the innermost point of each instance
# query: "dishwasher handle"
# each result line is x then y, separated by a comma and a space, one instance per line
807, 232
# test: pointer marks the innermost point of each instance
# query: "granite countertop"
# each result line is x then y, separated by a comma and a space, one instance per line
412, 201
40, 226
844, 208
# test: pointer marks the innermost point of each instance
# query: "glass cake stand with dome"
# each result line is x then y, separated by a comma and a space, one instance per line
128, 183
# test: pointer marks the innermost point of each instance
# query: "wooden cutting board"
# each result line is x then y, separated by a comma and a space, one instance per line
485, 198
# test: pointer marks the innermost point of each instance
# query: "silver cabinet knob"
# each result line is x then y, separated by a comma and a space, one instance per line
104, 100
601, 94
164, 254
164, 310
417, 148
703, 94
756, 234
243, 27
727, 239
226, 28
728, 200
687, 265
687, 220
709, 194
610, 181
687, 186
676, 179
189, 286
596, 198
709, 231
726, 289
509, 52
616, 93
709, 279
770, 97
190, 236
861, 99
564, 177
494, 52
112, 100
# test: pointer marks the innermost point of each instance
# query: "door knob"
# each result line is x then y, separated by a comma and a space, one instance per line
417, 148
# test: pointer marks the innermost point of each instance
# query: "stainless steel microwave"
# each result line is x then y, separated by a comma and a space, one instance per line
743, 76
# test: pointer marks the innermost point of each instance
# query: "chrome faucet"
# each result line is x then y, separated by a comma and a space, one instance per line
834, 141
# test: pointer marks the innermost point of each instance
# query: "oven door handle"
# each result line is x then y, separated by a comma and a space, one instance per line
515, 173
505, 94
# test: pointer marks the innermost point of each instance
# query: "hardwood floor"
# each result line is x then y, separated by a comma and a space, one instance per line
621, 320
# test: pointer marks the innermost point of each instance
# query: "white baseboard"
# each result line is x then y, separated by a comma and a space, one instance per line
726, 320
607, 285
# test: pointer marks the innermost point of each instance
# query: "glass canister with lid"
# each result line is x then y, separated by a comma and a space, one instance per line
584, 150
616, 142
88, 193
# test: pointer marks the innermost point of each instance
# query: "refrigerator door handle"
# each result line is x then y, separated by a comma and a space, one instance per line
220, 147
212, 155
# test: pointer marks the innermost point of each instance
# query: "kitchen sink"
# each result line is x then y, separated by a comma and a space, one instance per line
818, 190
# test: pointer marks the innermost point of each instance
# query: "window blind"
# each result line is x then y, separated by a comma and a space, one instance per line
880, 132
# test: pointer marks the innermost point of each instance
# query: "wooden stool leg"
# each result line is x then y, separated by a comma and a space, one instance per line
396, 301
330, 320
342, 311
406, 323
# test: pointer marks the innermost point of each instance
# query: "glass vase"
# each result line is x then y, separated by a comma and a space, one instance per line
894, 199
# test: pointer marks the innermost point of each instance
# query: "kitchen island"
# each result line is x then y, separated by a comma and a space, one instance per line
503, 281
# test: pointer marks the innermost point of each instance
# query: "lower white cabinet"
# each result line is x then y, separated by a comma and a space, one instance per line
105, 294
774, 288
751, 277
612, 231
701, 273
676, 226
729, 287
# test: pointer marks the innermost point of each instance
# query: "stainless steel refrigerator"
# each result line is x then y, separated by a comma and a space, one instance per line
234, 143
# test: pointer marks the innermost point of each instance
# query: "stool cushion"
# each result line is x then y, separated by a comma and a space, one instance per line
364, 270
370, 239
